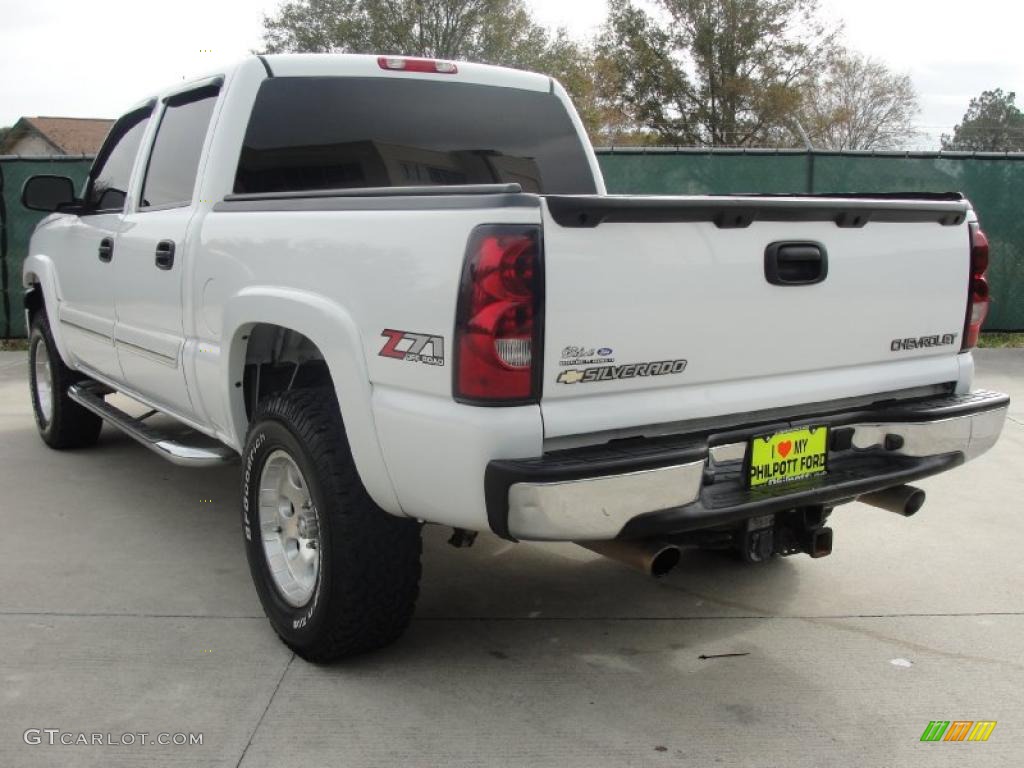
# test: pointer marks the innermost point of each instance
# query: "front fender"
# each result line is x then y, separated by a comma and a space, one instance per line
329, 326
40, 273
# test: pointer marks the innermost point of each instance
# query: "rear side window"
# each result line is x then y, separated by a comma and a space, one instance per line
315, 133
108, 179
174, 160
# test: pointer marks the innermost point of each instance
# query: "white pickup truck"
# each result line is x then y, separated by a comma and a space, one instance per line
397, 289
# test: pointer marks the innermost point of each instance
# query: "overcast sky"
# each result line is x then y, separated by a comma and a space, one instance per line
94, 58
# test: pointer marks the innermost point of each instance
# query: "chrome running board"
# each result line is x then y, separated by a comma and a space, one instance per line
190, 449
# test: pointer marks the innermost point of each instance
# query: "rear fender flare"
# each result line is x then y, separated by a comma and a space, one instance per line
329, 326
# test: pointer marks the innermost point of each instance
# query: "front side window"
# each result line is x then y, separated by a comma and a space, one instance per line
174, 160
107, 187
318, 133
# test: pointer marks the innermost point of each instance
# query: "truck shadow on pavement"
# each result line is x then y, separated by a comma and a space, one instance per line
118, 491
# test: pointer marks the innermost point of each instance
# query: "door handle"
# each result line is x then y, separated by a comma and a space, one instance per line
164, 254
795, 263
106, 251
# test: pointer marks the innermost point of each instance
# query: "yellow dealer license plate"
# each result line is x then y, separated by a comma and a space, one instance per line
788, 456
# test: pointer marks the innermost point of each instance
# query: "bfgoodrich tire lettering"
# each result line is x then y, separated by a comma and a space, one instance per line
369, 564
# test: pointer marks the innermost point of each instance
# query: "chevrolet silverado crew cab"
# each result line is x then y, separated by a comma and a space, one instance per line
396, 291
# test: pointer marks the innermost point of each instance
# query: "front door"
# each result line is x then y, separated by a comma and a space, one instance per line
85, 269
152, 248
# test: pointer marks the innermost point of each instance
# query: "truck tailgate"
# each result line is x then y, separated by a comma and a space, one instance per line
671, 300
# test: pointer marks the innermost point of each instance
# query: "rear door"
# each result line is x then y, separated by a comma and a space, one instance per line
149, 272
89, 254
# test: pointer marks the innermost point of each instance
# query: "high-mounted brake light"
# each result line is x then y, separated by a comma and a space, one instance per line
499, 318
403, 64
978, 298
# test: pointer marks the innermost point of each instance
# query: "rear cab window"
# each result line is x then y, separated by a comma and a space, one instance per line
321, 133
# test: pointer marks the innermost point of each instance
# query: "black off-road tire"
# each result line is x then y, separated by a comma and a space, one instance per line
365, 592
68, 425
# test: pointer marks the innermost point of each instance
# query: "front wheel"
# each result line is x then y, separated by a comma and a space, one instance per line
62, 422
336, 574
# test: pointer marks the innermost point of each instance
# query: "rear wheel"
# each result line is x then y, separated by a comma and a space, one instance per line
336, 574
62, 422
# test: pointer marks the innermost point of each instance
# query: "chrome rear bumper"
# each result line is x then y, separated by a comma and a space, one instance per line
650, 487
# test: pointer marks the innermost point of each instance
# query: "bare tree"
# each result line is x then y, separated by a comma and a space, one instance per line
859, 103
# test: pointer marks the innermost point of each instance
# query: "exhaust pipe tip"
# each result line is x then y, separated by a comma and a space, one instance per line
666, 560
914, 502
905, 500
653, 558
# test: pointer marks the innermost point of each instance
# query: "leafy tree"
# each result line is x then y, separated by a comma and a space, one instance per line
3, 133
859, 103
481, 30
644, 95
490, 31
718, 72
992, 123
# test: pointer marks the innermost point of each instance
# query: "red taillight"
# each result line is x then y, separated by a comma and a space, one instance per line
977, 292
403, 64
498, 321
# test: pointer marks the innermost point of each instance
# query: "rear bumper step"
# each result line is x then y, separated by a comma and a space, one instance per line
189, 450
660, 486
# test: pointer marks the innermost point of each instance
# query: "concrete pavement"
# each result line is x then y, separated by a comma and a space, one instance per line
126, 607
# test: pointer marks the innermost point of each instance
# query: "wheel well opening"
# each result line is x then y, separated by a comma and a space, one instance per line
278, 359
33, 300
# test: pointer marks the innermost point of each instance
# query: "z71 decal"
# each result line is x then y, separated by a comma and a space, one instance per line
617, 372
413, 347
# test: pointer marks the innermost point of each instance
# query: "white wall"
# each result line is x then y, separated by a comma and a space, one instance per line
31, 145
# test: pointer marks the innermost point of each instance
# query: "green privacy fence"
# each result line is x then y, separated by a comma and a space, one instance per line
994, 183
16, 226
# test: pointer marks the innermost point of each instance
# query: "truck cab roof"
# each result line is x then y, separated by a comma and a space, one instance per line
360, 65
369, 65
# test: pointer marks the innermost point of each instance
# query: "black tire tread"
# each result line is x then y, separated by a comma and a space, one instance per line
375, 556
71, 425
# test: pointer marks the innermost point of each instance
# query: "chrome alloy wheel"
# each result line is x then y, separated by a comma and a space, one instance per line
289, 529
44, 381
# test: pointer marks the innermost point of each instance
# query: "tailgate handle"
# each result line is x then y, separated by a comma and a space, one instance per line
791, 263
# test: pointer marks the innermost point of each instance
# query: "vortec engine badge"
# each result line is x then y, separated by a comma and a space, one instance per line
617, 372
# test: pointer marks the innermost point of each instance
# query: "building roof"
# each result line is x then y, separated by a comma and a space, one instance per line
68, 135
